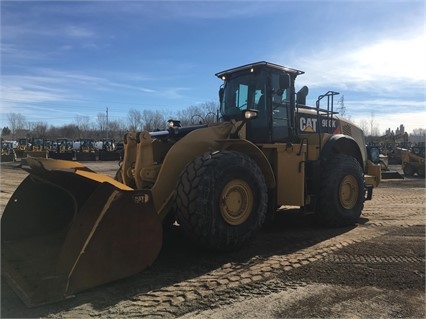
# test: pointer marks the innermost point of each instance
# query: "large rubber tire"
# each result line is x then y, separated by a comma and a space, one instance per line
421, 170
409, 169
221, 200
342, 193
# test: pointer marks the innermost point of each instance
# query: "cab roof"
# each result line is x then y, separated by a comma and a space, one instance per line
224, 74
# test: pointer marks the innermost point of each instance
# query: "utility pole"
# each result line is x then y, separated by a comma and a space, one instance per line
106, 122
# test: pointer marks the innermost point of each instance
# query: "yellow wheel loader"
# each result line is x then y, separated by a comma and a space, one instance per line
7, 152
108, 151
67, 228
413, 161
86, 150
62, 149
22, 148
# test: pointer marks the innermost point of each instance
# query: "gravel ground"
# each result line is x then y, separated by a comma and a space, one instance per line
292, 269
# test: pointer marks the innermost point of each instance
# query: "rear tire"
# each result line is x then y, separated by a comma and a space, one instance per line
341, 197
409, 170
221, 200
421, 171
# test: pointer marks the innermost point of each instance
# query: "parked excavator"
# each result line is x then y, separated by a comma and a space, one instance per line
67, 228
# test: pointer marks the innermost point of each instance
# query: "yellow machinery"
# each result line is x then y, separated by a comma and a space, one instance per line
67, 229
413, 161
23, 146
86, 150
62, 149
108, 151
7, 152
33, 147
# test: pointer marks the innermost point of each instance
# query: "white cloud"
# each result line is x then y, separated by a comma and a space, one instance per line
35, 94
410, 120
386, 78
383, 65
388, 113
402, 59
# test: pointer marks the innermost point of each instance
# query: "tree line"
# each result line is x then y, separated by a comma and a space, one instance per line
102, 127
150, 120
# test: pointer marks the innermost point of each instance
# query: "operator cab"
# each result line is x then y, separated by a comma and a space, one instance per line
268, 90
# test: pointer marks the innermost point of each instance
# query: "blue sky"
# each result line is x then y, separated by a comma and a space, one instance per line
63, 59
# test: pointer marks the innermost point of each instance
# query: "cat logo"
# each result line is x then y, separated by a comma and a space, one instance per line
308, 125
141, 199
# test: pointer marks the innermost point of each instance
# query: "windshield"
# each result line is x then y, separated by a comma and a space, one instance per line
242, 92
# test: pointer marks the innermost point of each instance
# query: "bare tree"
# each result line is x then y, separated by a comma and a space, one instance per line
68, 131
53, 132
83, 124
135, 120
195, 114
374, 130
39, 129
116, 130
419, 132
153, 120
17, 122
5, 132
363, 125
210, 111
101, 121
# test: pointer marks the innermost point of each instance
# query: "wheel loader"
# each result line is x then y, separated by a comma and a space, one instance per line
62, 149
108, 150
22, 148
85, 150
67, 228
7, 152
413, 161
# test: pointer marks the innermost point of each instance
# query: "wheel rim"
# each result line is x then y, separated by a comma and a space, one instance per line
348, 192
236, 202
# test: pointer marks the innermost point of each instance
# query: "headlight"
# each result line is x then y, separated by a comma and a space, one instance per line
174, 123
250, 114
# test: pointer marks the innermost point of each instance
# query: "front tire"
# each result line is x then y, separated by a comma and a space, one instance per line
409, 170
341, 198
421, 170
221, 200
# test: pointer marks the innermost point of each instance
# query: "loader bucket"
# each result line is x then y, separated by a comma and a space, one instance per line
85, 156
67, 229
391, 175
68, 156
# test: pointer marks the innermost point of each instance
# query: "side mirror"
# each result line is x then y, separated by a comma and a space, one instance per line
284, 81
221, 92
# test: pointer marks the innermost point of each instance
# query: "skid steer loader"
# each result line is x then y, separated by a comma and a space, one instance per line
67, 228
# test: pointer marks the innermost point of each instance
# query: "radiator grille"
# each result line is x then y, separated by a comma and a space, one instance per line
347, 130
